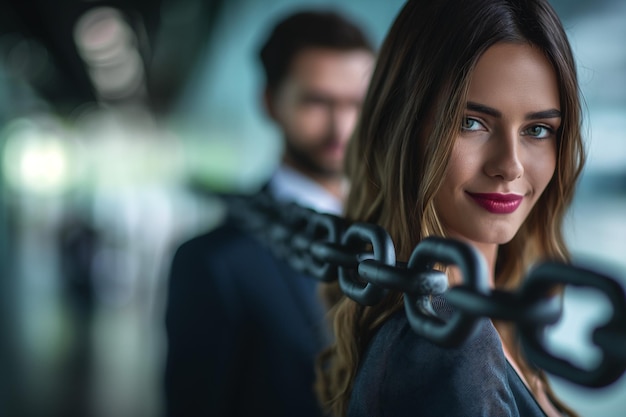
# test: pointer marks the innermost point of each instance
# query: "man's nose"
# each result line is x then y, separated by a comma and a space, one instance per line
343, 119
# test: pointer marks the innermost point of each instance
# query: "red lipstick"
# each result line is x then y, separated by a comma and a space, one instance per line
497, 203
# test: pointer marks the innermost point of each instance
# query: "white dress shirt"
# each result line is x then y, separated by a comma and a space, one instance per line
288, 185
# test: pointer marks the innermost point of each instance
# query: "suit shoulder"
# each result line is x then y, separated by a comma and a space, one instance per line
224, 238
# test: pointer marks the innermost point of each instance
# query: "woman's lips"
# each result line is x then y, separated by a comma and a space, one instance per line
497, 203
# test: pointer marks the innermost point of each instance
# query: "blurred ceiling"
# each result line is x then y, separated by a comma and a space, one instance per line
65, 53
62, 49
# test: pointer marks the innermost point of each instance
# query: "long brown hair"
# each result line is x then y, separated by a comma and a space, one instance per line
398, 156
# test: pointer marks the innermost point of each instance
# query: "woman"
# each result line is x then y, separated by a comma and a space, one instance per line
470, 130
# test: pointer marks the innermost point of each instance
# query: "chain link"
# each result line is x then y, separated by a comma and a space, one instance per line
362, 258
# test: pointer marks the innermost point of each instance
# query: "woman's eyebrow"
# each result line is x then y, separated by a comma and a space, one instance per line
481, 108
544, 114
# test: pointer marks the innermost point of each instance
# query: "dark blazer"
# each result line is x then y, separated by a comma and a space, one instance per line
403, 374
243, 331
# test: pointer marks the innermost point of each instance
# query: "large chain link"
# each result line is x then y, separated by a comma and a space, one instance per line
362, 258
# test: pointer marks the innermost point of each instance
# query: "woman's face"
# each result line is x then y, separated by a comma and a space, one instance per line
505, 152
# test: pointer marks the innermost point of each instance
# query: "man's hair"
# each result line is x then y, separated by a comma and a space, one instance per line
303, 30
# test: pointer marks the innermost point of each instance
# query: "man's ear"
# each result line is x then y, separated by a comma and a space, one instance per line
268, 103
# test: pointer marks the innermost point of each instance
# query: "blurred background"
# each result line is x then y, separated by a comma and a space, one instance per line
120, 120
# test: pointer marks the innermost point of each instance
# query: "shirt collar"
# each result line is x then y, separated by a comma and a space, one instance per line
289, 185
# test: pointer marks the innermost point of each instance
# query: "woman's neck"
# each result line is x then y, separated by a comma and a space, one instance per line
490, 253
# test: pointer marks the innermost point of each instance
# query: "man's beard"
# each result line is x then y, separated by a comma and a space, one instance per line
304, 158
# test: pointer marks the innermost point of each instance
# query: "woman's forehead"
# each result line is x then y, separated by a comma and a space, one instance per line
511, 76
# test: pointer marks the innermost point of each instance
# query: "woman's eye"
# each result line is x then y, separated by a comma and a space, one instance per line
539, 132
469, 124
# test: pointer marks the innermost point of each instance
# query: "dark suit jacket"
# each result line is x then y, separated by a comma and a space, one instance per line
243, 331
403, 374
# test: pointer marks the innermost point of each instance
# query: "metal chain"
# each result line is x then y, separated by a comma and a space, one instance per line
362, 258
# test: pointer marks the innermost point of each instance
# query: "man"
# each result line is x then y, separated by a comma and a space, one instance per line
243, 329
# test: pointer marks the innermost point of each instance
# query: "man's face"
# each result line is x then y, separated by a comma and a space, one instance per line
317, 106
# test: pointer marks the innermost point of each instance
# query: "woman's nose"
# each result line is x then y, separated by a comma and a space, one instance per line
505, 161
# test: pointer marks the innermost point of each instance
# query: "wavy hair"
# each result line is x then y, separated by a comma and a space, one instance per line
398, 156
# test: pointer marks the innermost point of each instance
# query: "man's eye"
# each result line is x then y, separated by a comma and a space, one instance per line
314, 101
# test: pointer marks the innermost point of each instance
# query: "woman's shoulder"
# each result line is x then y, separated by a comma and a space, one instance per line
404, 348
402, 373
